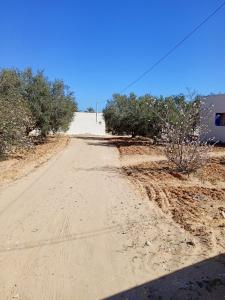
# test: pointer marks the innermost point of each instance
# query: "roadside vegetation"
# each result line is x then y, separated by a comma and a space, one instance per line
90, 110
174, 121
163, 150
31, 107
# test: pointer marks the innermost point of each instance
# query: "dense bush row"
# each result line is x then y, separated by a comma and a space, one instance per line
146, 115
30, 102
174, 120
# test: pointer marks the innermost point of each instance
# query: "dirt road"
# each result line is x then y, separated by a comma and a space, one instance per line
76, 228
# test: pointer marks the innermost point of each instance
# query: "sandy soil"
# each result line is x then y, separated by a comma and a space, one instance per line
78, 228
22, 163
196, 202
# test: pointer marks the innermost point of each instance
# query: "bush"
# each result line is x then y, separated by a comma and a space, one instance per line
185, 147
31, 102
63, 107
51, 103
90, 110
172, 119
15, 116
131, 115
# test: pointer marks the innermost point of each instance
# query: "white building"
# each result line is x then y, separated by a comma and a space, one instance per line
216, 120
87, 123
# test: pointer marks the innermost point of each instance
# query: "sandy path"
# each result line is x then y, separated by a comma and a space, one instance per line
76, 227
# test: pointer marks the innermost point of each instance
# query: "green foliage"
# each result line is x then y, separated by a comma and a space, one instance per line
15, 116
37, 92
63, 106
132, 115
51, 103
31, 102
174, 119
145, 115
90, 110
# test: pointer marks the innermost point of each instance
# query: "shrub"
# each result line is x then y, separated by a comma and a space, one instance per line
132, 115
31, 102
37, 91
172, 119
185, 147
90, 110
15, 116
51, 103
63, 107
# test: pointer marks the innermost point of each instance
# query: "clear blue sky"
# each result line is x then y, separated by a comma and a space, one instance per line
97, 47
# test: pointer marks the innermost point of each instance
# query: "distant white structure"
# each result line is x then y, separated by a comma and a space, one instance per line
87, 123
216, 120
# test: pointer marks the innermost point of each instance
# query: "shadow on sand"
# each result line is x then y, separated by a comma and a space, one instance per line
98, 140
114, 141
203, 280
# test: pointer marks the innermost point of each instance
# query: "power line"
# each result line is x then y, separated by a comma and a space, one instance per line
173, 48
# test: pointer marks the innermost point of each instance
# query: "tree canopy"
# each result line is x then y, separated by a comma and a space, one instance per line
90, 110
29, 102
145, 115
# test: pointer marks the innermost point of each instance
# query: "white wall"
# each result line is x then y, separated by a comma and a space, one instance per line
85, 123
217, 104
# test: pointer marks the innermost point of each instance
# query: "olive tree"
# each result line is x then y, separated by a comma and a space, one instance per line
63, 107
51, 103
90, 110
132, 115
15, 115
37, 91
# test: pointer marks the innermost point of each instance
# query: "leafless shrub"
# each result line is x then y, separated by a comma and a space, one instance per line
185, 132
